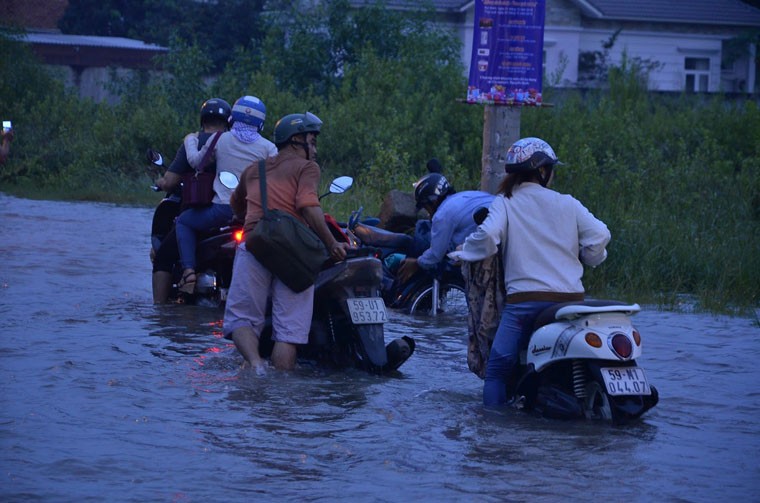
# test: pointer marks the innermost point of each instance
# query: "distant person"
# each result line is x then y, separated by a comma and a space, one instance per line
434, 166
545, 238
5, 144
452, 221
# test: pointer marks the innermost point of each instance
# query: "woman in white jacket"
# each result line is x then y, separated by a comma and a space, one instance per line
545, 238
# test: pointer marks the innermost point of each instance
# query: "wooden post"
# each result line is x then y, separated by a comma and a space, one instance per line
501, 128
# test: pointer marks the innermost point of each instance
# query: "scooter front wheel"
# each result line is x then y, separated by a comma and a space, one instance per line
452, 300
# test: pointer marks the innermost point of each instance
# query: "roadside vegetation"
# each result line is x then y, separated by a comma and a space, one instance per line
676, 178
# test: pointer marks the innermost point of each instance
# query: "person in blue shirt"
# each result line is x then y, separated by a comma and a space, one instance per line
452, 220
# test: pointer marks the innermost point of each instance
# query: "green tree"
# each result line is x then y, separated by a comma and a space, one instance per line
220, 27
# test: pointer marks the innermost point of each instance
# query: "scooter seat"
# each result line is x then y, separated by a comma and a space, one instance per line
570, 310
381, 238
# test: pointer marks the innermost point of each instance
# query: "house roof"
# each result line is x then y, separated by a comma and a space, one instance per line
88, 51
51, 38
710, 12
704, 12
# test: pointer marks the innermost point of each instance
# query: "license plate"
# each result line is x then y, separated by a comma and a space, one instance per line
625, 381
367, 310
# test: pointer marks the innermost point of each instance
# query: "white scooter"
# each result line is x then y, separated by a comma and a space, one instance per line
581, 362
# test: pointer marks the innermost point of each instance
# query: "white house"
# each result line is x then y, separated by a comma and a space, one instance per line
696, 45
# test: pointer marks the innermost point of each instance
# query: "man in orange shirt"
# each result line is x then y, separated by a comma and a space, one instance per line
292, 180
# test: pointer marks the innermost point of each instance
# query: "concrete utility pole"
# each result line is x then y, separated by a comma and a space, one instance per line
501, 128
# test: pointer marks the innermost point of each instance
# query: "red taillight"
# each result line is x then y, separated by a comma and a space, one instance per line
621, 345
238, 235
636, 337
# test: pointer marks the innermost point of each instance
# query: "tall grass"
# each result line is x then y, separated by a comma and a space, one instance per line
676, 179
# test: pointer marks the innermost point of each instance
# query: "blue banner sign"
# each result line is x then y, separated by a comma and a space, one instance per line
507, 52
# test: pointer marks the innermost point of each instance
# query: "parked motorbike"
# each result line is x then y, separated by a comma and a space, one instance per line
443, 288
581, 363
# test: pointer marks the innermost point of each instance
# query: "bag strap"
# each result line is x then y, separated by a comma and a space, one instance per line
263, 185
208, 153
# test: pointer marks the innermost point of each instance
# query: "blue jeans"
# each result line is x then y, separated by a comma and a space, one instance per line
511, 337
194, 220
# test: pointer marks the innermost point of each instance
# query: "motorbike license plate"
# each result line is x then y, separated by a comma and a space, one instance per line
366, 310
625, 381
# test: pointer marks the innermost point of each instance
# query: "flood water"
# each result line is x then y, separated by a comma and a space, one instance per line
106, 397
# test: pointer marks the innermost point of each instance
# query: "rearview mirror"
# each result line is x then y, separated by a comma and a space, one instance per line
228, 179
155, 157
341, 184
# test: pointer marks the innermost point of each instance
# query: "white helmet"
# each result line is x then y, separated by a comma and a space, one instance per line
529, 154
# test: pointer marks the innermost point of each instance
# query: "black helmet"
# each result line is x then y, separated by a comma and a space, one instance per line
215, 108
431, 189
295, 124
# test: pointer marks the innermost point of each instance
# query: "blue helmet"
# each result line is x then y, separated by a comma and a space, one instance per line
249, 110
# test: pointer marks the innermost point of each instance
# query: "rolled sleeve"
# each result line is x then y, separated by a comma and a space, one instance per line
307, 192
593, 237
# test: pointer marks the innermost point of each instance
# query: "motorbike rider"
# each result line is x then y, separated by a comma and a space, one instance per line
452, 220
292, 179
214, 116
235, 150
545, 237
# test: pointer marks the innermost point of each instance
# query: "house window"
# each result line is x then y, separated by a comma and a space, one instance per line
697, 71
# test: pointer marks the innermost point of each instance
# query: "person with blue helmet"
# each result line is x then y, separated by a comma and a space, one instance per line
544, 238
235, 150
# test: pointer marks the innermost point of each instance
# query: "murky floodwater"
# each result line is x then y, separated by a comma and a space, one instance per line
106, 397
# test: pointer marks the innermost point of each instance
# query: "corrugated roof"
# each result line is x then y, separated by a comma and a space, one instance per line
92, 41
710, 12
706, 12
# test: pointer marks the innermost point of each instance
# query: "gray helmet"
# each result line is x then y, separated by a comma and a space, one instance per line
529, 154
296, 124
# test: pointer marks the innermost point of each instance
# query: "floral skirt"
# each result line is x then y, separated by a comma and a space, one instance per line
484, 284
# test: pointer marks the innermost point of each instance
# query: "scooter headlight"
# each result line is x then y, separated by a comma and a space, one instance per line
621, 345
